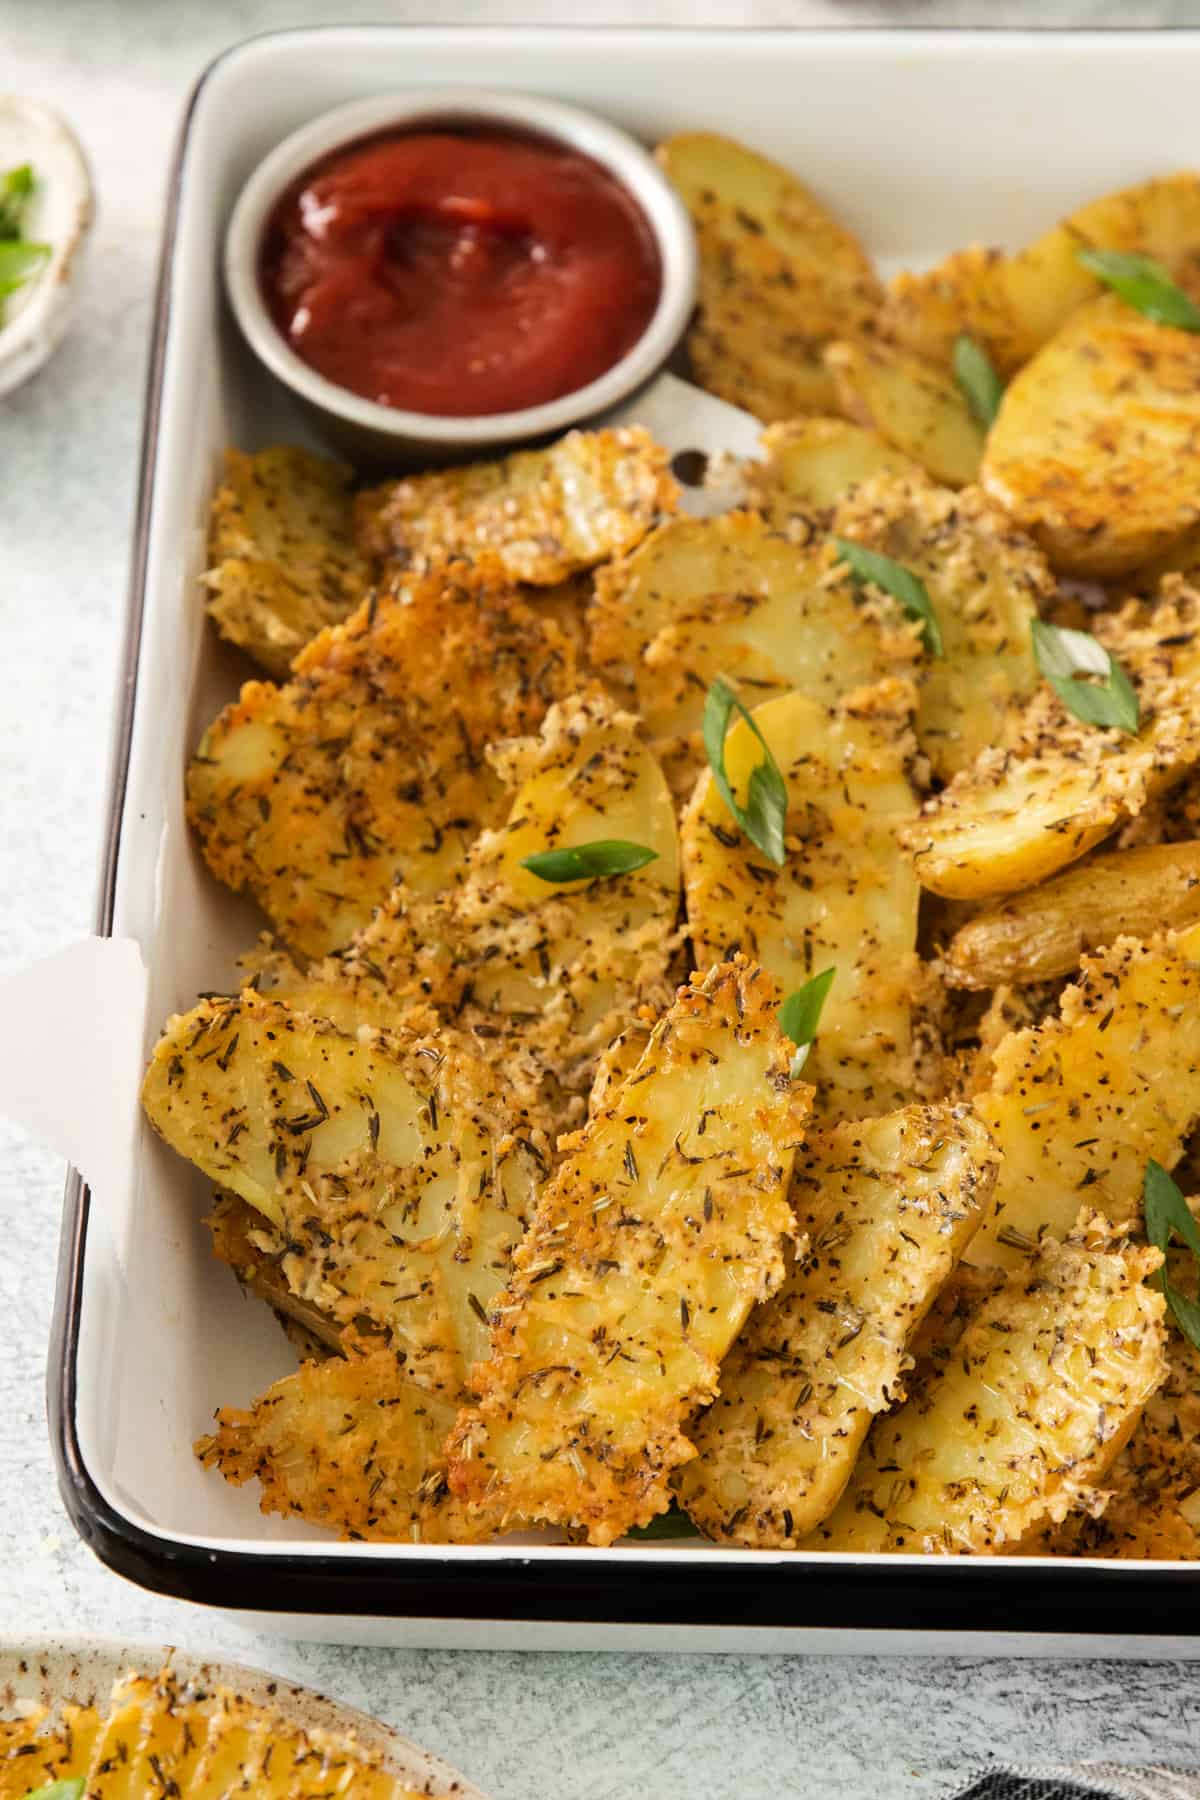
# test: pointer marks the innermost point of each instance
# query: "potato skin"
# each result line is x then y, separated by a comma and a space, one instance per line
1096, 448
1040, 934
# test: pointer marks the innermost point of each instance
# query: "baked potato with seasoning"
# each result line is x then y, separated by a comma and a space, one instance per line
1021, 1425
779, 277
916, 408
283, 563
888, 1207
1096, 448
809, 464
662, 1228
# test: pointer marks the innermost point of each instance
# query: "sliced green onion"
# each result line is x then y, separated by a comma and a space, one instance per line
800, 1015
900, 583
765, 813
1167, 1213
1065, 657
671, 1524
1144, 284
981, 386
587, 862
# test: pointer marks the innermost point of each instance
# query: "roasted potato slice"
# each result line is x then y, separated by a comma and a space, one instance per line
369, 765
33, 1754
1079, 1103
986, 581
1096, 448
391, 1167
1021, 1424
283, 561
730, 596
1042, 933
545, 515
1152, 1492
1022, 813
650, 1245
889, 1206
915, 407
1012, 305
350, 1444
811, 463
244, 1241
545, 975
778, 277
846, 895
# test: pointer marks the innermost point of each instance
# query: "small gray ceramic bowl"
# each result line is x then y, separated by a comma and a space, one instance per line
364, 429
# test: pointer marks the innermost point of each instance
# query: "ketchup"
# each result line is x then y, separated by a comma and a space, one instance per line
459, 273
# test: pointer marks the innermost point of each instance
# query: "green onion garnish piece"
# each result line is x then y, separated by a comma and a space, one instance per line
1065, 656
586, 862
765, 812
18, 261
981, 386
1166, 1213
1143, 283
900, 583
671, 1524
800, 1015
59, 1790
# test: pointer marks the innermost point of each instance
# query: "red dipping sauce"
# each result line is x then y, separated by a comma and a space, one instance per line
459, 272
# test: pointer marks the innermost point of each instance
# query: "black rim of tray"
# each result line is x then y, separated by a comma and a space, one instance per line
880, 1594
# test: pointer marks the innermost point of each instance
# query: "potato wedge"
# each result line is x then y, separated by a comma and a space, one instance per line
810, 464
392, 1175
369, 765
889, 1205
1013, 304
1022, 1423
1096, 447
846, 896
649, 1246
1080, 1103
986, 582
283, 561
1040, 934
350, 1444
1020, 814
729, 596
778, 277
913, 406
544, 515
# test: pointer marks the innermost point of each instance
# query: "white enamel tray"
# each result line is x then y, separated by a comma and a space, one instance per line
921, 142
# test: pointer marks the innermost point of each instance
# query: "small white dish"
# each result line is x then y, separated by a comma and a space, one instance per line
364, 428
36, 317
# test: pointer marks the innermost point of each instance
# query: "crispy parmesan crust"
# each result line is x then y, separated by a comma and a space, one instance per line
544, 515
1021, 1424
370, 765
660, 1231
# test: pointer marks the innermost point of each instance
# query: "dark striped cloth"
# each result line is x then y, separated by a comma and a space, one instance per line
1087, 1781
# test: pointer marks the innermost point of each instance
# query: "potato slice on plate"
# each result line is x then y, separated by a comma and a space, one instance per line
889, 1205
985, 580
284, 563
660, 1231
810, 464
915, 407
1096, 447
1080, 1103
730, 596
545, 515
369, 765
350, 1444
778, 277
1022, 1423
1020, 814
1013, 304
392, 1168
1040, 934
846, 896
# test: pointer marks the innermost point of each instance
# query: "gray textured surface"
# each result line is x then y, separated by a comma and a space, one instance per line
583, 1727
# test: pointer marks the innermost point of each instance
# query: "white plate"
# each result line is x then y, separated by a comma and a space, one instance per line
54, 1672
920, 142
